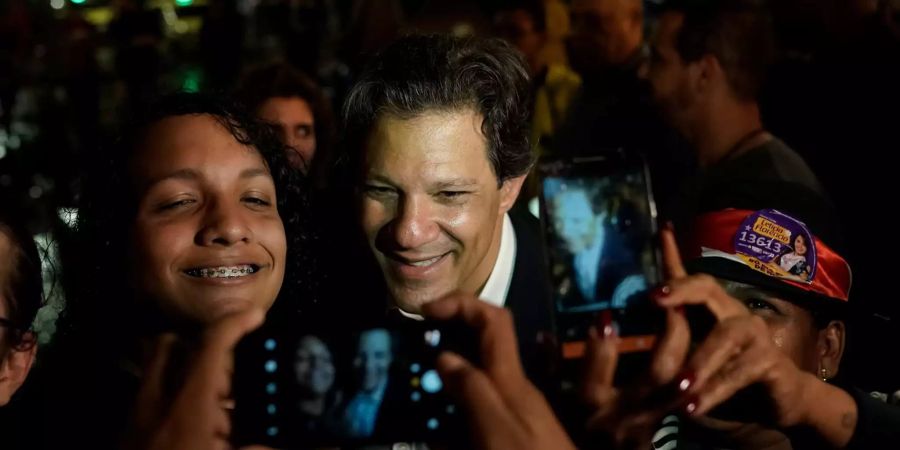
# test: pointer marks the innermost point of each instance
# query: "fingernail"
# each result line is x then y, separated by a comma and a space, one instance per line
692, 405
607, 325
669, 225
450, 361
592, 332
661, 292
610, 331
679, 309
686, 380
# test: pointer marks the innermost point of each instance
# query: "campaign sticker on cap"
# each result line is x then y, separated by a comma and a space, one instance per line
777, 245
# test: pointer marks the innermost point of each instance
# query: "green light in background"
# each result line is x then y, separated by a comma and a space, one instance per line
191, 81
77, 2
181, 2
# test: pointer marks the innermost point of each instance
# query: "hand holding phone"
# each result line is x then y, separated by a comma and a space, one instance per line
627, 416
310, 387
196, 418
504, 410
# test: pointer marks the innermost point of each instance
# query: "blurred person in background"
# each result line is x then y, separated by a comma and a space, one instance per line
706, 76
553, 85
286, 97
614, 108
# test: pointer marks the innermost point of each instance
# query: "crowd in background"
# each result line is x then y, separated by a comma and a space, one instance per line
820, 100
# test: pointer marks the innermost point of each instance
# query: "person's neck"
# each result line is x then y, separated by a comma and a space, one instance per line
723, 129
313, 406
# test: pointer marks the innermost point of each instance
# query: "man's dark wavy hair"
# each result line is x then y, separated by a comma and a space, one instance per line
424, 73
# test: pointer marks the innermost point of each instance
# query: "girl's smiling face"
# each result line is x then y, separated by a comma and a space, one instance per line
207, 237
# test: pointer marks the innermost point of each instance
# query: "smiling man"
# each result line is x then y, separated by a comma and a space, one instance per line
439, 130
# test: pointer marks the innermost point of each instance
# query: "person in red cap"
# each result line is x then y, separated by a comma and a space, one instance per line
750, 352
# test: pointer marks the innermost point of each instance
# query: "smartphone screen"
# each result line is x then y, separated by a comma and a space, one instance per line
600, 228
367, 386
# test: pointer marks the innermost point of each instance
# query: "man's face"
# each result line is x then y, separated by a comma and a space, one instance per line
604, 33
574, 220
295, 120
207, 238
431, 207
668, 74
313, 366
373, 358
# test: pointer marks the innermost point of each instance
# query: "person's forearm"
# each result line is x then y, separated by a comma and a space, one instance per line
832, 413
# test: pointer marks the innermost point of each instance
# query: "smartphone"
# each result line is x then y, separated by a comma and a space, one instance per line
600, 227
321, 388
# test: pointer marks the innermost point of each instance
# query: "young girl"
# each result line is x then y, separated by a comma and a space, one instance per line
193, 219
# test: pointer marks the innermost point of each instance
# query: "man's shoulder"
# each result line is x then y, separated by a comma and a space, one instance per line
530, 275
524, 223
775, 161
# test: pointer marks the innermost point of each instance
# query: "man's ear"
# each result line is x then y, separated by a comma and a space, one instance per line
704, 74
14, 368
509, 192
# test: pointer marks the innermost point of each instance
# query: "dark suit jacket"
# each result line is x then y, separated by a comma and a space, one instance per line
616, 263
391, 420
529, 295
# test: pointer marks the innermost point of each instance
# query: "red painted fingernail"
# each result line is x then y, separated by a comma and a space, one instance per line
607, 326
686, 380
669, 225
661, 292
610, 331
679, 309
692, 405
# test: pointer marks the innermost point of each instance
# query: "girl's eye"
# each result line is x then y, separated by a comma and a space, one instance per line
257, 201
176, 204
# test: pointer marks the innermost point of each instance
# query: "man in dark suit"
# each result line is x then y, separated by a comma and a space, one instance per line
596, 270
437, 130
374, 408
